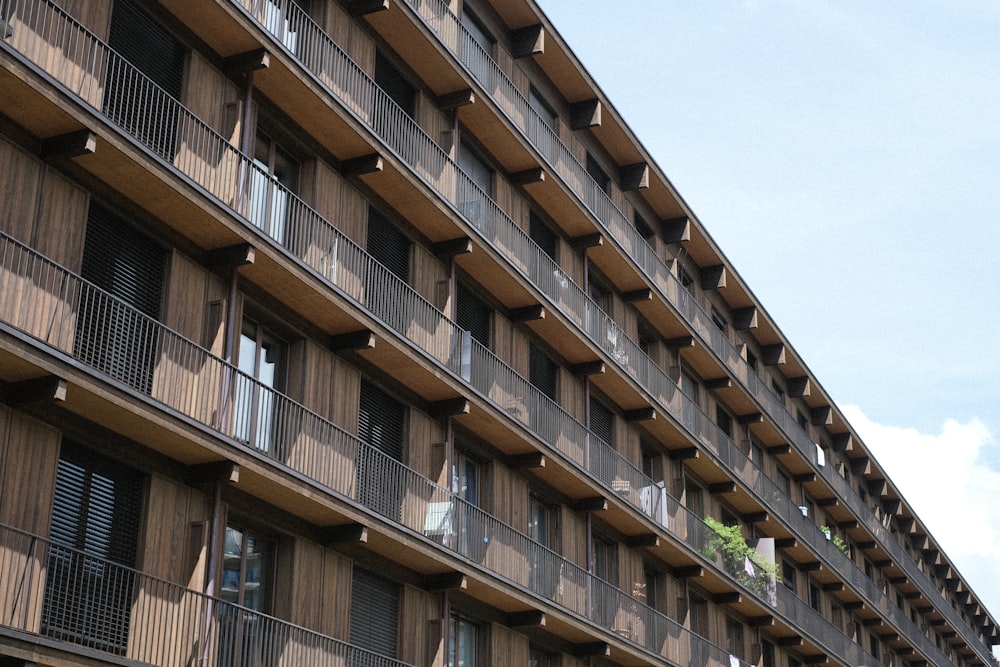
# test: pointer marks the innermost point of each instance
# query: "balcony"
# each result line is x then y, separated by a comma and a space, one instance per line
207, 159
99, 609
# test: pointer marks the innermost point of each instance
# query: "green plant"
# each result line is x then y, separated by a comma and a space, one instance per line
728, 541
837, 540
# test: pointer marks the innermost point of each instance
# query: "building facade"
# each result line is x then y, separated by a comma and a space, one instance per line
365, 332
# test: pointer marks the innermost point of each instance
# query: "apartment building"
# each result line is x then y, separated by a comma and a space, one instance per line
365, 332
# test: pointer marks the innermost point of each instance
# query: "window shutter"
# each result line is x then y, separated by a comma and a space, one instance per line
473, 315
388, 245
374, 612
542, 372
601, 422
542, 235
380, 421
141, 40
392, 83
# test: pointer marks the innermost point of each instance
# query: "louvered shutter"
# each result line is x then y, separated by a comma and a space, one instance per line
388, 245
381, 421
542, 372
601, 421
129, 266
130, 100
473, 315
374, 612
95, 511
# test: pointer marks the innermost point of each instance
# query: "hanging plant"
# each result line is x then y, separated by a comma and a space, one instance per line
739, 558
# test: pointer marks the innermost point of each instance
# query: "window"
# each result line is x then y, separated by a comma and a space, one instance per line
752, 360
543, 522
814, 597
462, 640
125, 263
602, 421
543, 373
387, 245
473, 315
475, 186
271, 185
540, 233
734, 637
689, 386
476, 48
544, 111
724, 420
767, 654
720, 321
604, 567
381, 426
685, 279
645, 231
778, 391
145, 45
262, 360
599, 175
539, 658
466, 482
374, 613
247, 569
95, 526
788, 573
392, 83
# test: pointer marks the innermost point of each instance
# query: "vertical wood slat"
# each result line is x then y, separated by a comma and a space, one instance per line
420, 640
506, 647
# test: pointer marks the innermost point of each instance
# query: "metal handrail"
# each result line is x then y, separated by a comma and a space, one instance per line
214, 164
84, 599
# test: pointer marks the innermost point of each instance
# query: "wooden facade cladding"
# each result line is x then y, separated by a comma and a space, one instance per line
29, 451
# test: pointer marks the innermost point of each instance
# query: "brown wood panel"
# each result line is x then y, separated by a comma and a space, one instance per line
507, 647
321, 581
572, 394
184, 306
62, 220
428, 275
95, 16
212, 97
19, 191
172, 508
28, 458
424, 451
420, 637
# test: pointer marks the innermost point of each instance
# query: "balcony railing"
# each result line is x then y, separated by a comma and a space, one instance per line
208, 159
36, 295
450, 31
83, 599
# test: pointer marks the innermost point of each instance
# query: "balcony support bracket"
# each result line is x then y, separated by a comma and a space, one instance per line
72, 144
45, 389
352, 341
349, 533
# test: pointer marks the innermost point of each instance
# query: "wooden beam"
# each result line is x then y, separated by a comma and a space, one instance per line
447, 249
820, 659
348, 533
688, 571
231, 257
352, 341
635, 296
456, 99
750, 418
587, 241
799, 387
449, 407
794, 640
585, 114
595, 504
640, 415
364, 164
859, 465
834, 587
225, 472
676, 230
724, 382
730, 597
872, 622
526, 461
364, 7
528, 176
840, 442
847, 525
722, 487
755, 517
633, 176
814, 566
804, 477
592, 650
876, 487
34, 391
745, 319
248, 61
821, 415
778, 450
867, 545
445, 581
679, 342
71, 144
684, 454
587, 368
528, 313
828, 502
773, 355
853, 606
713, 277
760, 621
527, 41
646, 540
530, 618
785, 542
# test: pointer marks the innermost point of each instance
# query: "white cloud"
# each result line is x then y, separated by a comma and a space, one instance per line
947, 478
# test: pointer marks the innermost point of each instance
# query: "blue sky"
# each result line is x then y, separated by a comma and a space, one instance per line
845, 155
